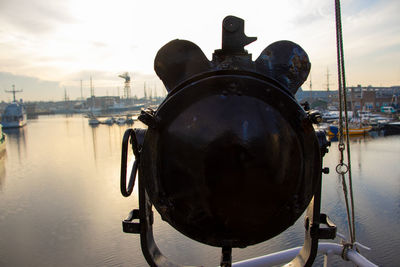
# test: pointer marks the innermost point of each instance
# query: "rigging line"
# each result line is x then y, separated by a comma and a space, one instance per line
347, 126
341, 145
346, 120
342, 88
344, 185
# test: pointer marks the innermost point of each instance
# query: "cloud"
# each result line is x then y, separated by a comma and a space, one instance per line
69, 40
34, 17
371, 37
372, 43
33, 88
310, 12
99, 44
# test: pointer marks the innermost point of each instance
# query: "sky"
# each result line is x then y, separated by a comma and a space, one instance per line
48, 47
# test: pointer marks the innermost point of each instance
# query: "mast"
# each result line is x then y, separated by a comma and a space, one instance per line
91, 94
310, 88
65, 95
150, 93
327, 79
91, 88
327, 83
144, 89
13, 91
81, 91
66, 99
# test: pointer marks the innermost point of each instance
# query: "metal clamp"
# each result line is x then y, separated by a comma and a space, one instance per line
128, 226
328, 232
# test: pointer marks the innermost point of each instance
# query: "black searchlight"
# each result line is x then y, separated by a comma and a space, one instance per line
230, 158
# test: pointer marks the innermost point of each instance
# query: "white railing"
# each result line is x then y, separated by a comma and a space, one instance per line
285, 256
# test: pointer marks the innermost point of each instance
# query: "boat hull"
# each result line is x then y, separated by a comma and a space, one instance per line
13, 124
333, 130
94, 122
391, 128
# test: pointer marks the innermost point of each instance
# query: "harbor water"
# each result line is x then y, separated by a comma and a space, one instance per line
60, 203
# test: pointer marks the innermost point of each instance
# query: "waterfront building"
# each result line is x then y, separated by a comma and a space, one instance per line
358, 97
373, 98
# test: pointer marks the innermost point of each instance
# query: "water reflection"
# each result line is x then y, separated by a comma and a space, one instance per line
16, 141
356, 142
63, 175
3, 156
94, 142
353, 138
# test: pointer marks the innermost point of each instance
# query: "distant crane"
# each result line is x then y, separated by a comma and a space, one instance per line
13, 91
127, 84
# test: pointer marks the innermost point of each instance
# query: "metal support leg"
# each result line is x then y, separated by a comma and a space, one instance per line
226, 257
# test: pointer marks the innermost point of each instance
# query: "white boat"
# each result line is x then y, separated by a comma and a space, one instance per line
379, 121
121, 121
93, 121
14, 116
330, 116
109, 121
129, 119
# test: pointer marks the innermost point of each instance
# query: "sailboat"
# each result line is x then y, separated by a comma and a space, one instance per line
93, 121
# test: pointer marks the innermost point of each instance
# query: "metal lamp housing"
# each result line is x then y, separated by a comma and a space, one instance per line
230, 158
